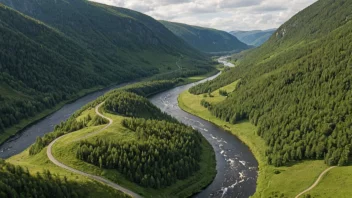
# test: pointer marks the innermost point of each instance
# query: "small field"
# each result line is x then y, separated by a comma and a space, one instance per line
285, 181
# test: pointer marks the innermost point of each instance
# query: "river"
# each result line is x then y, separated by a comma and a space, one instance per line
236, 165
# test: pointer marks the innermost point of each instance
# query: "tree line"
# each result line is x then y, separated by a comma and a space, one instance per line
16, 181
162, 153
133, 105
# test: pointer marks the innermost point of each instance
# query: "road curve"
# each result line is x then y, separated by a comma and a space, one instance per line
94, 177
316, 182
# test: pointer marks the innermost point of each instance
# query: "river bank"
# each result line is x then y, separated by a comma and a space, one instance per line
272, 181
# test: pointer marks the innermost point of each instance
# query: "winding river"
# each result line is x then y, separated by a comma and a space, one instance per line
236, 165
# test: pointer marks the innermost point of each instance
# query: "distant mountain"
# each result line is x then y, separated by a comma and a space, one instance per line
206, 39
255, 37
62, 48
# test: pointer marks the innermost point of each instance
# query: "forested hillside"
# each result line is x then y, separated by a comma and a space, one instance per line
206, 39
297, 87
163, 153
255, 37
72, 47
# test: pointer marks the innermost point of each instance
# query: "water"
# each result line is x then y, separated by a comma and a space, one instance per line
224, 61
236, 166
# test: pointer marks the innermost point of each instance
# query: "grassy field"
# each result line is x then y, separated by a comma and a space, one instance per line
289, 180
336, 183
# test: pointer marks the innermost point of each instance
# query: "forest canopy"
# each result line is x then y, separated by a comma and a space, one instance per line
298, 93
163, 152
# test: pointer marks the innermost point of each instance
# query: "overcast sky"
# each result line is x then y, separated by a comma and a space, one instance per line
220, 14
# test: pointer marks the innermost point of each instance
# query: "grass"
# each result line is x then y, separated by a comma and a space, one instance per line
290, 180
336, 183
40, 162
65, 149
193, 79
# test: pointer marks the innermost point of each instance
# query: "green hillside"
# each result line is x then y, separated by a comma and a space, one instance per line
255, 37
296, 88
142, 148
73, 47
206, 39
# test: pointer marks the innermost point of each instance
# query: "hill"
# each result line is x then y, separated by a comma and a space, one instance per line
296, 88
63, 49
140, 147
255, 37
206, 39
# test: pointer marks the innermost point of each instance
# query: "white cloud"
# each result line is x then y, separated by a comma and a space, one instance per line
220, 14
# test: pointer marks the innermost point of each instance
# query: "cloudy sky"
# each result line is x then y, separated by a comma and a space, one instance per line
220, 14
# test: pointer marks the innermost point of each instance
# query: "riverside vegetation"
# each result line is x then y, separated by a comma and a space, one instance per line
295, 90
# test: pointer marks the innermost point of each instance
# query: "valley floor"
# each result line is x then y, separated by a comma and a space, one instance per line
288, 181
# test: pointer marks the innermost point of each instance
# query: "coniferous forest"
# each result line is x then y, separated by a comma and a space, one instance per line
163, 153
298, 94
289, 101
16, 181
46, 60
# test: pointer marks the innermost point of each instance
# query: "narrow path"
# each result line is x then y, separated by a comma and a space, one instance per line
94, 177
316, 182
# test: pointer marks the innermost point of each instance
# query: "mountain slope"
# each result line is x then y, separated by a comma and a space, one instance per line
255, 37
297, 87
75, 46
205, 39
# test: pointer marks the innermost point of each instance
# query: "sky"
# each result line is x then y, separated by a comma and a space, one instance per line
225, 15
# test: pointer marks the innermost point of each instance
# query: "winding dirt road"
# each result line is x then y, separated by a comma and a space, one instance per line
94, 177
316, 182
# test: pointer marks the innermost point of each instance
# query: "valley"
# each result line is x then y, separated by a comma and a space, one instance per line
104, 101
232, 156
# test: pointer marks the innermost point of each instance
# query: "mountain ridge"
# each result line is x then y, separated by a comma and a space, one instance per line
208, 40
254, 37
